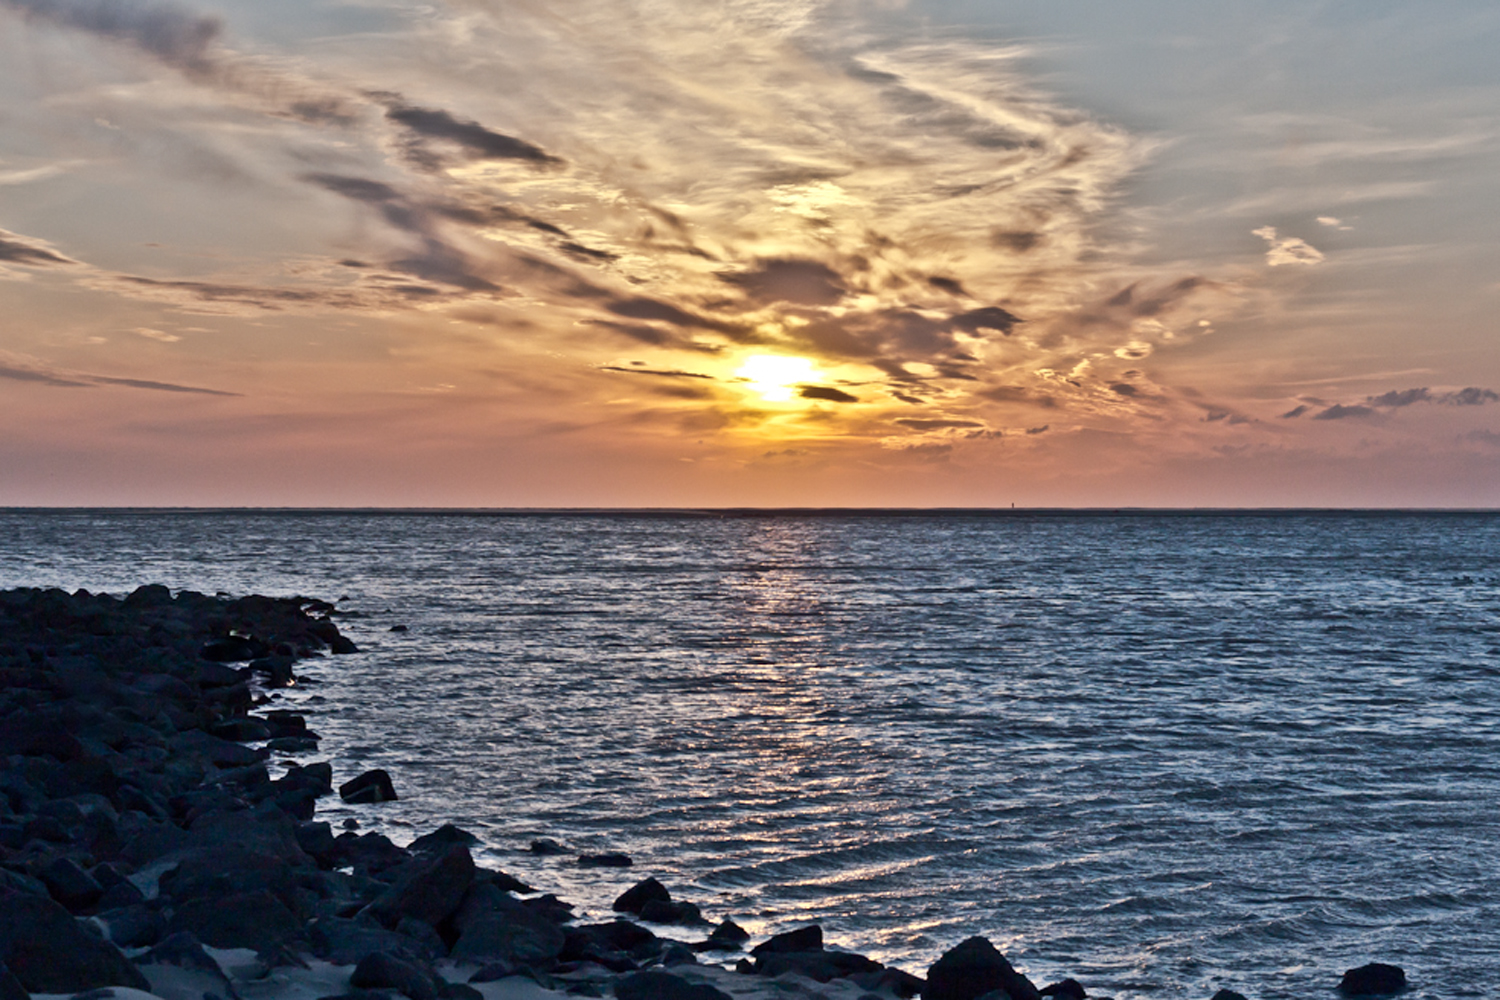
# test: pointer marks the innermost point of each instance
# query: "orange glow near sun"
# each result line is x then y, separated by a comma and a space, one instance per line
776, 376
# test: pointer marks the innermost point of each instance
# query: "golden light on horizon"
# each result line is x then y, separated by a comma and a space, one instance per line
775, 376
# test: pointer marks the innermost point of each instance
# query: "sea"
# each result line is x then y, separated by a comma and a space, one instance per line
1163, 753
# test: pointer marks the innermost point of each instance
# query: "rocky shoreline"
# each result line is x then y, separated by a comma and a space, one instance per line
145, 845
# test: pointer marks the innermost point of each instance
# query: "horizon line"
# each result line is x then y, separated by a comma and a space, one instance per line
738, 510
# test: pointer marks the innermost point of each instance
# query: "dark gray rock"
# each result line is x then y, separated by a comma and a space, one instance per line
241, 730
292, 744
645, 891
277, 670
285, 723
612, 859
677, 953
492, 972
546, 846
347, 942
184, 952
426, 936
443, 838
232, 649
121, 894
257, 920
429, 889
49, 952
1375, 979
12, 881
664, 986
973, 968
317, 840
70, 885
493, 925
134, 926
384, 970
10, 986
461, 991
370, 787
890, 981
821, 966
657, 912
808, 938
729, 933
1228, 995
1068, 989
221, 753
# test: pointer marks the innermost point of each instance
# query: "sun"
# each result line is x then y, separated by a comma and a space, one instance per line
774, 376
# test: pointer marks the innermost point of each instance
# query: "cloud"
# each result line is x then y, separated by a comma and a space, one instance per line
660, 373
826, 392
176, 36
22, 370
474, 140
1469, 397
907, 207
1295, 412
16, 249
1339, 411
191, 43
800, 282
918, 424
1288, 249
161, 335
1397, 398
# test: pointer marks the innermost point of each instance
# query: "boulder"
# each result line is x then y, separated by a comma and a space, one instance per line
547, 847
50, 952
372, 786
348, 942
892, 981
637, 896
232, 649
135, 926
241, 730
820, 966
664, 986
1072, 989
382, 970
70, 885
10, 986
292, 744
1375, 979
284, 723
973, 968
609, 860
808, 938
220, 753
656, 912
729, 932
443, 838
180, 964
255, 920
429, 889
493, 925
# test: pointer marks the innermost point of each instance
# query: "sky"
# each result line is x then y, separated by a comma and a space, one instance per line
668, 253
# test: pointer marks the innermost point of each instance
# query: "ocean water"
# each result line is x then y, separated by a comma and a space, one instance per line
1160, 753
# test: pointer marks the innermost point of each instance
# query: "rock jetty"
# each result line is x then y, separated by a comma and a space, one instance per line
146, 844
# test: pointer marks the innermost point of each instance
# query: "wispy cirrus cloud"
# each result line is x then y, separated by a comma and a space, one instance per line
17, 368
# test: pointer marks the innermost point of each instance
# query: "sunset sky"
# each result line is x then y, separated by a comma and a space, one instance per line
519, 253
